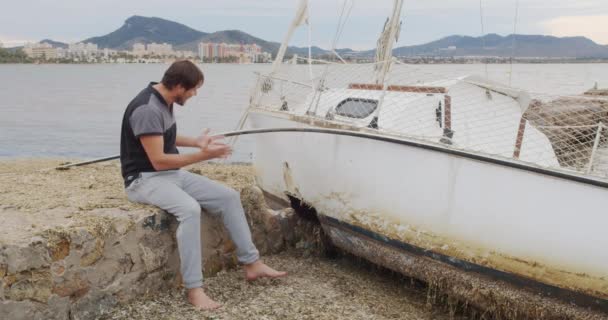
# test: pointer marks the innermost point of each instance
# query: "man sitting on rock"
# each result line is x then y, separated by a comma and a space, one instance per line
151, 170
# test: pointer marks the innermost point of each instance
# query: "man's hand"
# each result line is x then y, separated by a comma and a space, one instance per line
212, 146
218, 150
204, 140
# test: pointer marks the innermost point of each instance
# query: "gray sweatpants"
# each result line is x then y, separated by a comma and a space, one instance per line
182, 194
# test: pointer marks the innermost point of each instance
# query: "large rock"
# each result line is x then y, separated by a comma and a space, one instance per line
82, 263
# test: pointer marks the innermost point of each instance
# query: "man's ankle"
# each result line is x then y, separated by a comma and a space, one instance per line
258, 261
195, 289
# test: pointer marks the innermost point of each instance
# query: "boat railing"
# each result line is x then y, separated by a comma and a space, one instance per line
466, 113
274, 92
595, 154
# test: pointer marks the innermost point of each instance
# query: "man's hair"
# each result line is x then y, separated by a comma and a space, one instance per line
184, 73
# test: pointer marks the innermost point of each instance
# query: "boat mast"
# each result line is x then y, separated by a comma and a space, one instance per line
299, 19
384, 50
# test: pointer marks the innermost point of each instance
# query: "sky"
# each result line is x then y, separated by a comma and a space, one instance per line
423, 20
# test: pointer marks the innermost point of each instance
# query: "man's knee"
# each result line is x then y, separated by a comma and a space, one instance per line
189, 210
231, 195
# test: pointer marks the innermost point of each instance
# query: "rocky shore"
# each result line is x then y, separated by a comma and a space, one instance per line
73, 247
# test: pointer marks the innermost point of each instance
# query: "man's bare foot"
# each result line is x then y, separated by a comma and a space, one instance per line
200, 300
258, 270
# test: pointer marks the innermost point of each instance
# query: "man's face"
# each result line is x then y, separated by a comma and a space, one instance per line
183, 94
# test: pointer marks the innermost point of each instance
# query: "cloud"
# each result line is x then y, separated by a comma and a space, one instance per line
594, 27
9, 42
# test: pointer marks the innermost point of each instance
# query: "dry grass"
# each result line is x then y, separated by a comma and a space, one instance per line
32, 185
315, 289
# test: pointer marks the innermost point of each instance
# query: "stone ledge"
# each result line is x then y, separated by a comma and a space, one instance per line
57, 264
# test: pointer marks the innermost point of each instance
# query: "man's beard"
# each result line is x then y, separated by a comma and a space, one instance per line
180, 100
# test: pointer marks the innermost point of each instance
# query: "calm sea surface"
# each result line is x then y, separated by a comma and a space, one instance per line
76, 110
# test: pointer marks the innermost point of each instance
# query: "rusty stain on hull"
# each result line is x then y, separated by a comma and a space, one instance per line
290, 185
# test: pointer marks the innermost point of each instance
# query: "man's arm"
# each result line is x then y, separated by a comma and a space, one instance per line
154, 147
201, 142
183, 141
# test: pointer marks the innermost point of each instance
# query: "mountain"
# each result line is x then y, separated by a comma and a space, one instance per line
146, 30
228, 36
55, 44
240, 37
496, 45
137, 29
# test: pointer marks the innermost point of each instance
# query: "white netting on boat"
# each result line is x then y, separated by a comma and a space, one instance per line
470, 114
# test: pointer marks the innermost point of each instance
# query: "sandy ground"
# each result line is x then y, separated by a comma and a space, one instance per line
316, 288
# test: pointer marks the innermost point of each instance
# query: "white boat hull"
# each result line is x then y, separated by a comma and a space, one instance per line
484, 212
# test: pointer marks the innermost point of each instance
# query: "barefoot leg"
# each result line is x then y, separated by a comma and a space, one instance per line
258, 270
200, 300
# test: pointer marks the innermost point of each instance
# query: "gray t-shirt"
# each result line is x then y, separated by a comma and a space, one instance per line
147, 114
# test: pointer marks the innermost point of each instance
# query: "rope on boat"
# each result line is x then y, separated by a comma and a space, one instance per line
342, 132
513, 41
225, 134
483, 36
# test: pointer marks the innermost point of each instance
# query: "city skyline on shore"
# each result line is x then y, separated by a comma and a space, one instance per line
156, 38
145, 53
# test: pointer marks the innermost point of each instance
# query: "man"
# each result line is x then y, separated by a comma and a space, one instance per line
151, 170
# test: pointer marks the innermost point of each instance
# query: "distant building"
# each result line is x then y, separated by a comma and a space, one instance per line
254, 52
62, 53
154, 49
139, 49
85, 50
265, 57
185, 54
215, 53
160, 49
228, 50
205, 51
244, 53
109, 52
40, 50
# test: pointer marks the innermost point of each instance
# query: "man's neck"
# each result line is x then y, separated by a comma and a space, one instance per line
165, 93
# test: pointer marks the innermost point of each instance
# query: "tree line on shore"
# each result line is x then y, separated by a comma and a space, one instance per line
13, 56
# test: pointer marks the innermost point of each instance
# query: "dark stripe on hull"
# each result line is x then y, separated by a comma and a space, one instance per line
577, 298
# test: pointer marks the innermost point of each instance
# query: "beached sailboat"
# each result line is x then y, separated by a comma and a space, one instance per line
462, 172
